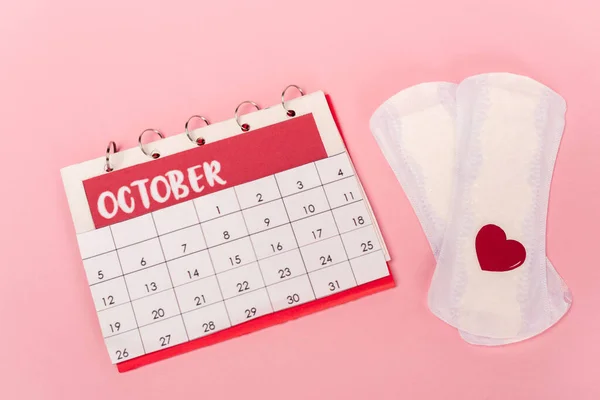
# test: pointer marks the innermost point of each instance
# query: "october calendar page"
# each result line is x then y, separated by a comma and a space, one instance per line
222, 239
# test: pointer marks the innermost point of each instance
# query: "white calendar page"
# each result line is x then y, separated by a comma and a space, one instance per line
209, 242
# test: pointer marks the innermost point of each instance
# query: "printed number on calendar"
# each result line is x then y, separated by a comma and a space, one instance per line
294, 298
250, 312
325, 259
200, 300
165, 340
277, 247
208, 326
284, 273
108, 300
151, 287
122, 354
159, 313
358, 221
309, 209
333, 286
243, 286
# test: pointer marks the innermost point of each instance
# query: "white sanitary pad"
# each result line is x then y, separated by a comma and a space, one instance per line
505, 130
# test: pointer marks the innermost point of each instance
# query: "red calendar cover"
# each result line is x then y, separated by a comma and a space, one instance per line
207, 243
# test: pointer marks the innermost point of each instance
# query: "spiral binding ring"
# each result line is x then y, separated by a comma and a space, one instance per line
245, 127
108, 166
154, 154
289, 112
200, 140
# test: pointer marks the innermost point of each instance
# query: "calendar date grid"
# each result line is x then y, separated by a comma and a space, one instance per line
225, 298
260, 285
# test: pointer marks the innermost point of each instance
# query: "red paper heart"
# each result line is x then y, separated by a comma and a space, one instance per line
495, 253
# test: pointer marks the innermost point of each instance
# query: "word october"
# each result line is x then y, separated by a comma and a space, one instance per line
174, 183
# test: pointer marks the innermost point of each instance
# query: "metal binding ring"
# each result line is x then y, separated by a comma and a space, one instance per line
154, 153
199, 141
290, 113
108, 166
245, 127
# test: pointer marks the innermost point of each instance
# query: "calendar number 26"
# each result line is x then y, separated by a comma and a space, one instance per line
122, 354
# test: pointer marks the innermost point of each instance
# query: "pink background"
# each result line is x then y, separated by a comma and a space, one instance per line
75, 75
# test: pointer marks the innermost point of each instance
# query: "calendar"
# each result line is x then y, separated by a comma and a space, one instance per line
202, 243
